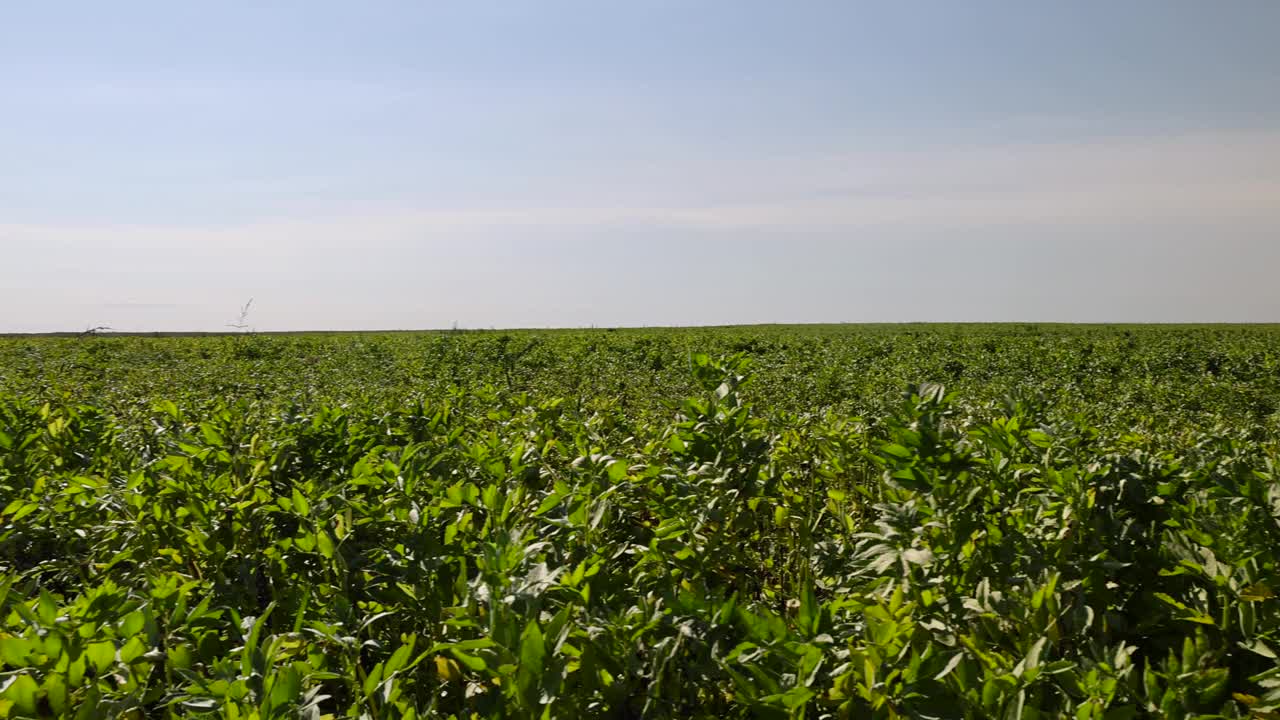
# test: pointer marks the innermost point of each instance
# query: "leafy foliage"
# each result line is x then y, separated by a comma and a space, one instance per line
749, 523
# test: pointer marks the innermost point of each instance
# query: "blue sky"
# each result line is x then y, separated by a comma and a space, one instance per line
409, 164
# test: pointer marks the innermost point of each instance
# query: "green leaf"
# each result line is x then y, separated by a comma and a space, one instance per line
22, 510
14, 651
1032, 659
55, 691
990, 693
548, 503
1199, 618
398, 658
47, 609
529, 670
1013, 711
167, 407
22, 692
1211, 685
951, 665
300, 504
1039, 439
101, 654
1259, 647
324, 543
669, 528
211, 435
132, 650
133, 623
1058, 666
473, 662
810, 613
896, 450
617, 471
793, 699
286, 688
249, 653
372, 680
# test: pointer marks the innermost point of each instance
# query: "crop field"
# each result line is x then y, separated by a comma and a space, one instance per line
899, 521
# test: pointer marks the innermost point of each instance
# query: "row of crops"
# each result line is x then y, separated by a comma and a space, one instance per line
776, 522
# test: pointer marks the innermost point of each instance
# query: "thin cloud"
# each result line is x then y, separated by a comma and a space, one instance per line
142, 306
1221, 178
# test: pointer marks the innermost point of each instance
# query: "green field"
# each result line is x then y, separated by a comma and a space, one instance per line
772, 521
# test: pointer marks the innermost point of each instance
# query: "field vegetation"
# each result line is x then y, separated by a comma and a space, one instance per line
1005, 521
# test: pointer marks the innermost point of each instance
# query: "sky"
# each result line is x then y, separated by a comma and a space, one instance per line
535, 163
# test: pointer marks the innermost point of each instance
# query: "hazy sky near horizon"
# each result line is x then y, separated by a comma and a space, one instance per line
400, 164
